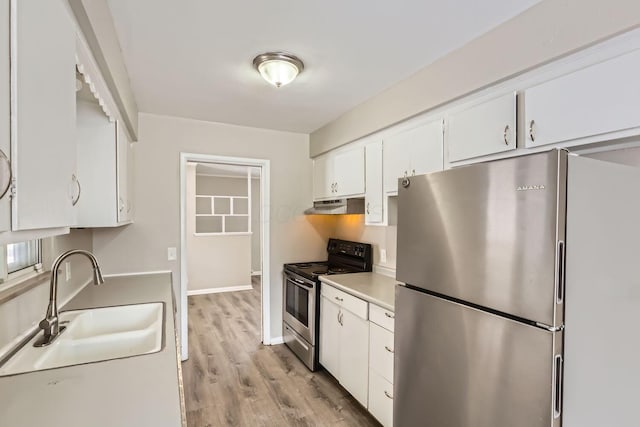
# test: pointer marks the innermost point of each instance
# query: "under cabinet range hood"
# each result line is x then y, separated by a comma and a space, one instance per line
337, 207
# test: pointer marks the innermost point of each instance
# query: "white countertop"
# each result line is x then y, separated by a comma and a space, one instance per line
135, 391
372, 287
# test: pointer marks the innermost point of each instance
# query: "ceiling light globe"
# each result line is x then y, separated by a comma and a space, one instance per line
279, 69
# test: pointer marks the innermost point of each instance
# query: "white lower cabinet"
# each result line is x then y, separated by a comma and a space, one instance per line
329, 335
381, 352
358, 352
380, 399
344, 341
354, 355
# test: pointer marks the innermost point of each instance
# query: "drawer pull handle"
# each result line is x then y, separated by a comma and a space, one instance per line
386, 347
339, 299
390, 316
388, 395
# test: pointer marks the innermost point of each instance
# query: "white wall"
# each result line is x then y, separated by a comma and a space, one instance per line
215, 261
142, 246
25, 311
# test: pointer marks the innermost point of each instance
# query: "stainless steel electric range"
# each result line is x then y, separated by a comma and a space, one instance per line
301, 299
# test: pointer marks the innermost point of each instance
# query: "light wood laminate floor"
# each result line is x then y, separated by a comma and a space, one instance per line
231, 379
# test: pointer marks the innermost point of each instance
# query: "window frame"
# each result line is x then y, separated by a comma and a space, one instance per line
8, 279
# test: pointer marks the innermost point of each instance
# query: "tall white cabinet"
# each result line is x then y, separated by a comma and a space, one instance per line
43, 114
5, 113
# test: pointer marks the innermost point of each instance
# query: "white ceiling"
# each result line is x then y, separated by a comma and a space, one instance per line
192, 58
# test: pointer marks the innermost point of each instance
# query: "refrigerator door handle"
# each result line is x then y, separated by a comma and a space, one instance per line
560, 256
557, 386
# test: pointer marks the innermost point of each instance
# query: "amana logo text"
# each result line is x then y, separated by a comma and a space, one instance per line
530, 187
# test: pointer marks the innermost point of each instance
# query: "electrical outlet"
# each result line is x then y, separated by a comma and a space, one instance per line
67, 270
383, 255
172, 254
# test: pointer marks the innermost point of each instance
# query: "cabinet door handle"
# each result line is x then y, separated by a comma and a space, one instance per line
339, 299
121, 208
368, 208
532, 133
386, 347
413, 172
5, 174
75, 179
390, 316
386, 393
506, 135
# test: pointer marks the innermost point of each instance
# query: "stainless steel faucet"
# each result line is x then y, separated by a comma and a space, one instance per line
50, 324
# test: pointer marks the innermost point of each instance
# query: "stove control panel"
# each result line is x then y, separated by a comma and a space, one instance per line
354, 249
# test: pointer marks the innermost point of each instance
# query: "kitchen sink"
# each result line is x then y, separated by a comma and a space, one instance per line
94, 335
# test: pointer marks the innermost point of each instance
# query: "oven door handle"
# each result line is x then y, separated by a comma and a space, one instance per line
301, 283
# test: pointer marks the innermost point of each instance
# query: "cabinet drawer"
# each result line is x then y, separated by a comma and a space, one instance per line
381, 351
380, 399
382, 317
355, 305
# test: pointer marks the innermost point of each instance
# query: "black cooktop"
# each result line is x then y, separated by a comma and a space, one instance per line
312, 270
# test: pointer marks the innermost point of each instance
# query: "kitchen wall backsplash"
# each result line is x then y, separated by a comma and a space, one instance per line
352, 227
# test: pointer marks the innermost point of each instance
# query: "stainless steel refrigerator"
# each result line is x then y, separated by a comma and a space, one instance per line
522, 296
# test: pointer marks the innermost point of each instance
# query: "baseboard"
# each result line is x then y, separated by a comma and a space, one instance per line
276, 341
256, 273
219, 290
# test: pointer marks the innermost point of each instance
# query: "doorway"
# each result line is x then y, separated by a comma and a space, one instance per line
224, 239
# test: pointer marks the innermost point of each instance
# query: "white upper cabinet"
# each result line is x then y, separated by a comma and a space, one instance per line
595, 103
5, 114
43, 141
339, 173
322, 177
412, 152
374, 197
123, 176
482, 129
103, 154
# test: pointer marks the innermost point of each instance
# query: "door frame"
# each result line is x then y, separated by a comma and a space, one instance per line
265, 197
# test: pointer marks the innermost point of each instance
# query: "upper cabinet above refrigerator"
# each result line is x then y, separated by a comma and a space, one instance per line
482, 129
597, 103
412, 152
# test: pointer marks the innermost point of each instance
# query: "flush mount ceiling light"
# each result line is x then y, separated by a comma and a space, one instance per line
278, 68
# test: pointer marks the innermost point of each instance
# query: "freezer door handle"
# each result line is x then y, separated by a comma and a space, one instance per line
560, 256
557, 386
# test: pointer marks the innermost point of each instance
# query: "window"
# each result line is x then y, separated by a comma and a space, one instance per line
19, 259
